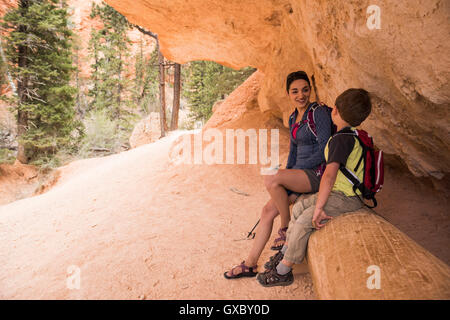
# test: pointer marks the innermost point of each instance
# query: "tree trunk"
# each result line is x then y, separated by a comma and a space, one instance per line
22, 116
22, 124
351, 252
119, 94
76, 56
176, 97
162, 93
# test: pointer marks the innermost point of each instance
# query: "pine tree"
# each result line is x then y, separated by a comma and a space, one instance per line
208, 82
108, 48
145, 89
162, 66
40, 61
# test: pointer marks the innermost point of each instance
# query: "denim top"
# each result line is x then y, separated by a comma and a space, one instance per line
306, 151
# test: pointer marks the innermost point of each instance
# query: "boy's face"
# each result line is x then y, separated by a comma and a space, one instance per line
334, 113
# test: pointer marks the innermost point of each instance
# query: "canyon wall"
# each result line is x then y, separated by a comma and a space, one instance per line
403, 61
5, 5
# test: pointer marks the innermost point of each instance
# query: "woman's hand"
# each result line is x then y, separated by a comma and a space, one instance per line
318, 216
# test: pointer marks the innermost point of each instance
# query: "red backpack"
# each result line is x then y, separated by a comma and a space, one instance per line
373, 178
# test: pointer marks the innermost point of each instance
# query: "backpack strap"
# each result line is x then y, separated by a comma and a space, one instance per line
292, 119
311, 120
350, 176
357, 185
347, 173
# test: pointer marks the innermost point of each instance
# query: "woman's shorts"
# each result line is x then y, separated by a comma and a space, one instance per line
313, 179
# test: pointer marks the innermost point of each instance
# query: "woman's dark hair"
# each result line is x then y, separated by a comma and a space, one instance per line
296, 76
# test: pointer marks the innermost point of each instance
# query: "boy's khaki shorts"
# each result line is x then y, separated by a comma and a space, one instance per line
300, 226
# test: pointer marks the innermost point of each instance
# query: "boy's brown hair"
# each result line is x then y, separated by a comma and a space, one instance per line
354, 106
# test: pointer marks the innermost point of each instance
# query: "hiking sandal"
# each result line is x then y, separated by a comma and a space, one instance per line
271, 278
274, 260
282, 233
245, 272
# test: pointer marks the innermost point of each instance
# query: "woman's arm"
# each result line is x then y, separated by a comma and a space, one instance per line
292, 147
292, 155
322, 120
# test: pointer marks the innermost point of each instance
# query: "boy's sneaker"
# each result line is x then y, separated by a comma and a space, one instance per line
271, 278
274, 260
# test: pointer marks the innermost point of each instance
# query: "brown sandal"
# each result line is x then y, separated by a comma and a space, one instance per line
245, 271
274, 260
282, 233
271, 278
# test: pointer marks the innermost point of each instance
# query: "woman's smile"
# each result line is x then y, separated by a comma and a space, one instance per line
299, 93
302, 101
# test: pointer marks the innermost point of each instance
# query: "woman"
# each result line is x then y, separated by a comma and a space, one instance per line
309, 135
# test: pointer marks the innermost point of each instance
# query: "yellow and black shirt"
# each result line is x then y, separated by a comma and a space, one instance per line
344, 149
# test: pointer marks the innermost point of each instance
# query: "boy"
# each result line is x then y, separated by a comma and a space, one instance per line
335, 196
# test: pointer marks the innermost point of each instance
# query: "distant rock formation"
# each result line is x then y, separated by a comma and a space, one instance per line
146, 131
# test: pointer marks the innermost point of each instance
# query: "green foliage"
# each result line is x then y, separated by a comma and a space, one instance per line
108, 47
41, 54
208, 82
101, 134
7, 156
40, 60
145, 91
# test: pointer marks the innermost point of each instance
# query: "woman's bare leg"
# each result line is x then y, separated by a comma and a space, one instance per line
264, 230
268, 214
293, 179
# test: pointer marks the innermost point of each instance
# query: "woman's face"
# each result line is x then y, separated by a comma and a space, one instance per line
299, 93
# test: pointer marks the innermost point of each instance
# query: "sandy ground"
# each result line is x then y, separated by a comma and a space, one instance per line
134, 226
137, 227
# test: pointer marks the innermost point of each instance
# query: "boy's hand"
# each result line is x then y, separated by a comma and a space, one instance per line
326, 184
318, 216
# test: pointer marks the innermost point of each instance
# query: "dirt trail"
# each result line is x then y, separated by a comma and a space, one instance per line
136, 227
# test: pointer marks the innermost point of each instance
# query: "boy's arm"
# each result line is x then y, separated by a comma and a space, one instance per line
326, 185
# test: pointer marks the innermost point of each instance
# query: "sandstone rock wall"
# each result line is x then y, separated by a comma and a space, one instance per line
5, 5
146, 131
404, 64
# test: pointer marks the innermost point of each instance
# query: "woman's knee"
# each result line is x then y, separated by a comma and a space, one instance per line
268, 181
271, 181
269, 211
